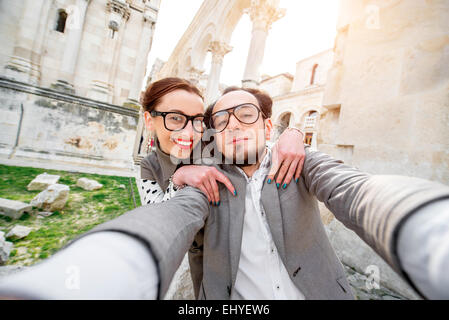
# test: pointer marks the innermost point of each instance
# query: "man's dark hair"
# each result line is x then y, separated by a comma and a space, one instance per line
263, 99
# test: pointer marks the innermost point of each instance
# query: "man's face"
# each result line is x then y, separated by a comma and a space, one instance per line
241, 143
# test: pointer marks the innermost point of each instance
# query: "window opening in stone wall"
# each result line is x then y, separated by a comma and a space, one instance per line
312, 78
308, 138
62, 19
113, 28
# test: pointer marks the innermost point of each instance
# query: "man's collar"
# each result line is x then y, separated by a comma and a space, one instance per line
264, 166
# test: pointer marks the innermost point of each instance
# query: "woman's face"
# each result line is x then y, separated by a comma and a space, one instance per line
176, 143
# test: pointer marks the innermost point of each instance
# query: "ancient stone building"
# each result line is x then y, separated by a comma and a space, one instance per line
388, 87
297, 101
71, 72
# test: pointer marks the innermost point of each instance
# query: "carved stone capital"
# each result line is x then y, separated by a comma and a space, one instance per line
218, 50
120, 7
150, 14
195, 74
264, 13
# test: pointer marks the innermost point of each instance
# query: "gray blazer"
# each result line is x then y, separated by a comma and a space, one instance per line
374, 206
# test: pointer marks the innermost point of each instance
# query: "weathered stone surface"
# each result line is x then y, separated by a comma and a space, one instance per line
181, 287
53, 198
5, 248
13, 209
18, 232
42, 181
354, 252
88, 184
363, 291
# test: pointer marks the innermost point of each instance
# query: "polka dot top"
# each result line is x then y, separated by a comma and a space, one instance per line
153, 192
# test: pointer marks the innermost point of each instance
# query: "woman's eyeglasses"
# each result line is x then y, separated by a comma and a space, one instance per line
247, 113
176, 121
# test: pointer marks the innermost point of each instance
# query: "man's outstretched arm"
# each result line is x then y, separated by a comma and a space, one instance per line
124, 257
374, 206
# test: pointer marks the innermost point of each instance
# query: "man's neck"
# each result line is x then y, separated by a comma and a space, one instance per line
249, 170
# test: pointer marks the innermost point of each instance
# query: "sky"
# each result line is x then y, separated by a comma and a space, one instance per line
308, 27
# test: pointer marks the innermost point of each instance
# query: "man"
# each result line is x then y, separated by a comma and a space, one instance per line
269, 241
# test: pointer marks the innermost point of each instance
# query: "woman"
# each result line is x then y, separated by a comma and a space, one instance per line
174, 114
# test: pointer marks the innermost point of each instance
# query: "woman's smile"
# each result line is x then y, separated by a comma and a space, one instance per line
183, 144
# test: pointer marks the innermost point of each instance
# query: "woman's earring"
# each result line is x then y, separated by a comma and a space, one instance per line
151, 145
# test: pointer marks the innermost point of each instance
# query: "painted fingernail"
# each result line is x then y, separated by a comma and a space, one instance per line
277, 185
284, 186
269, 181
235, 193
297, 179
218, 203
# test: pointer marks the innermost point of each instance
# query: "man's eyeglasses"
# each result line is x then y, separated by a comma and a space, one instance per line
246, 113
176, 121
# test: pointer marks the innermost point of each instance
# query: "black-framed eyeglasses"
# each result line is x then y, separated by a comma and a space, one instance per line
246, 113
176, 121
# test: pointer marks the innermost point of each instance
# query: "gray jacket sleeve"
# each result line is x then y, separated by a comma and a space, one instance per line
167, 229
423, 249
374, 206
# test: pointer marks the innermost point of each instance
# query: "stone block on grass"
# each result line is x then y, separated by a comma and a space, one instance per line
13, 209
42, 182
53, 198
5, 248
88, 184
18, 232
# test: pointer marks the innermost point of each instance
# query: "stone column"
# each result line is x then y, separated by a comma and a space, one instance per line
23, 65
263, 14
218, 50
101, 87
74, 27
149, 20
194, 75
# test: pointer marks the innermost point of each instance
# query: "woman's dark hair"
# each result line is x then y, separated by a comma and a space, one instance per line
264, 100
155, 91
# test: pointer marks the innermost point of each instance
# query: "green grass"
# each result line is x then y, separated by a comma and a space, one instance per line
83, 210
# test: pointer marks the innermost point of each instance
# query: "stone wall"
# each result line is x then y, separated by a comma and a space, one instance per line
43, 124
318, 64
101, 53
278, 85
391, 77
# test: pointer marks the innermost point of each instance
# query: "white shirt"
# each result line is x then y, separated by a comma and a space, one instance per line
261, 274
